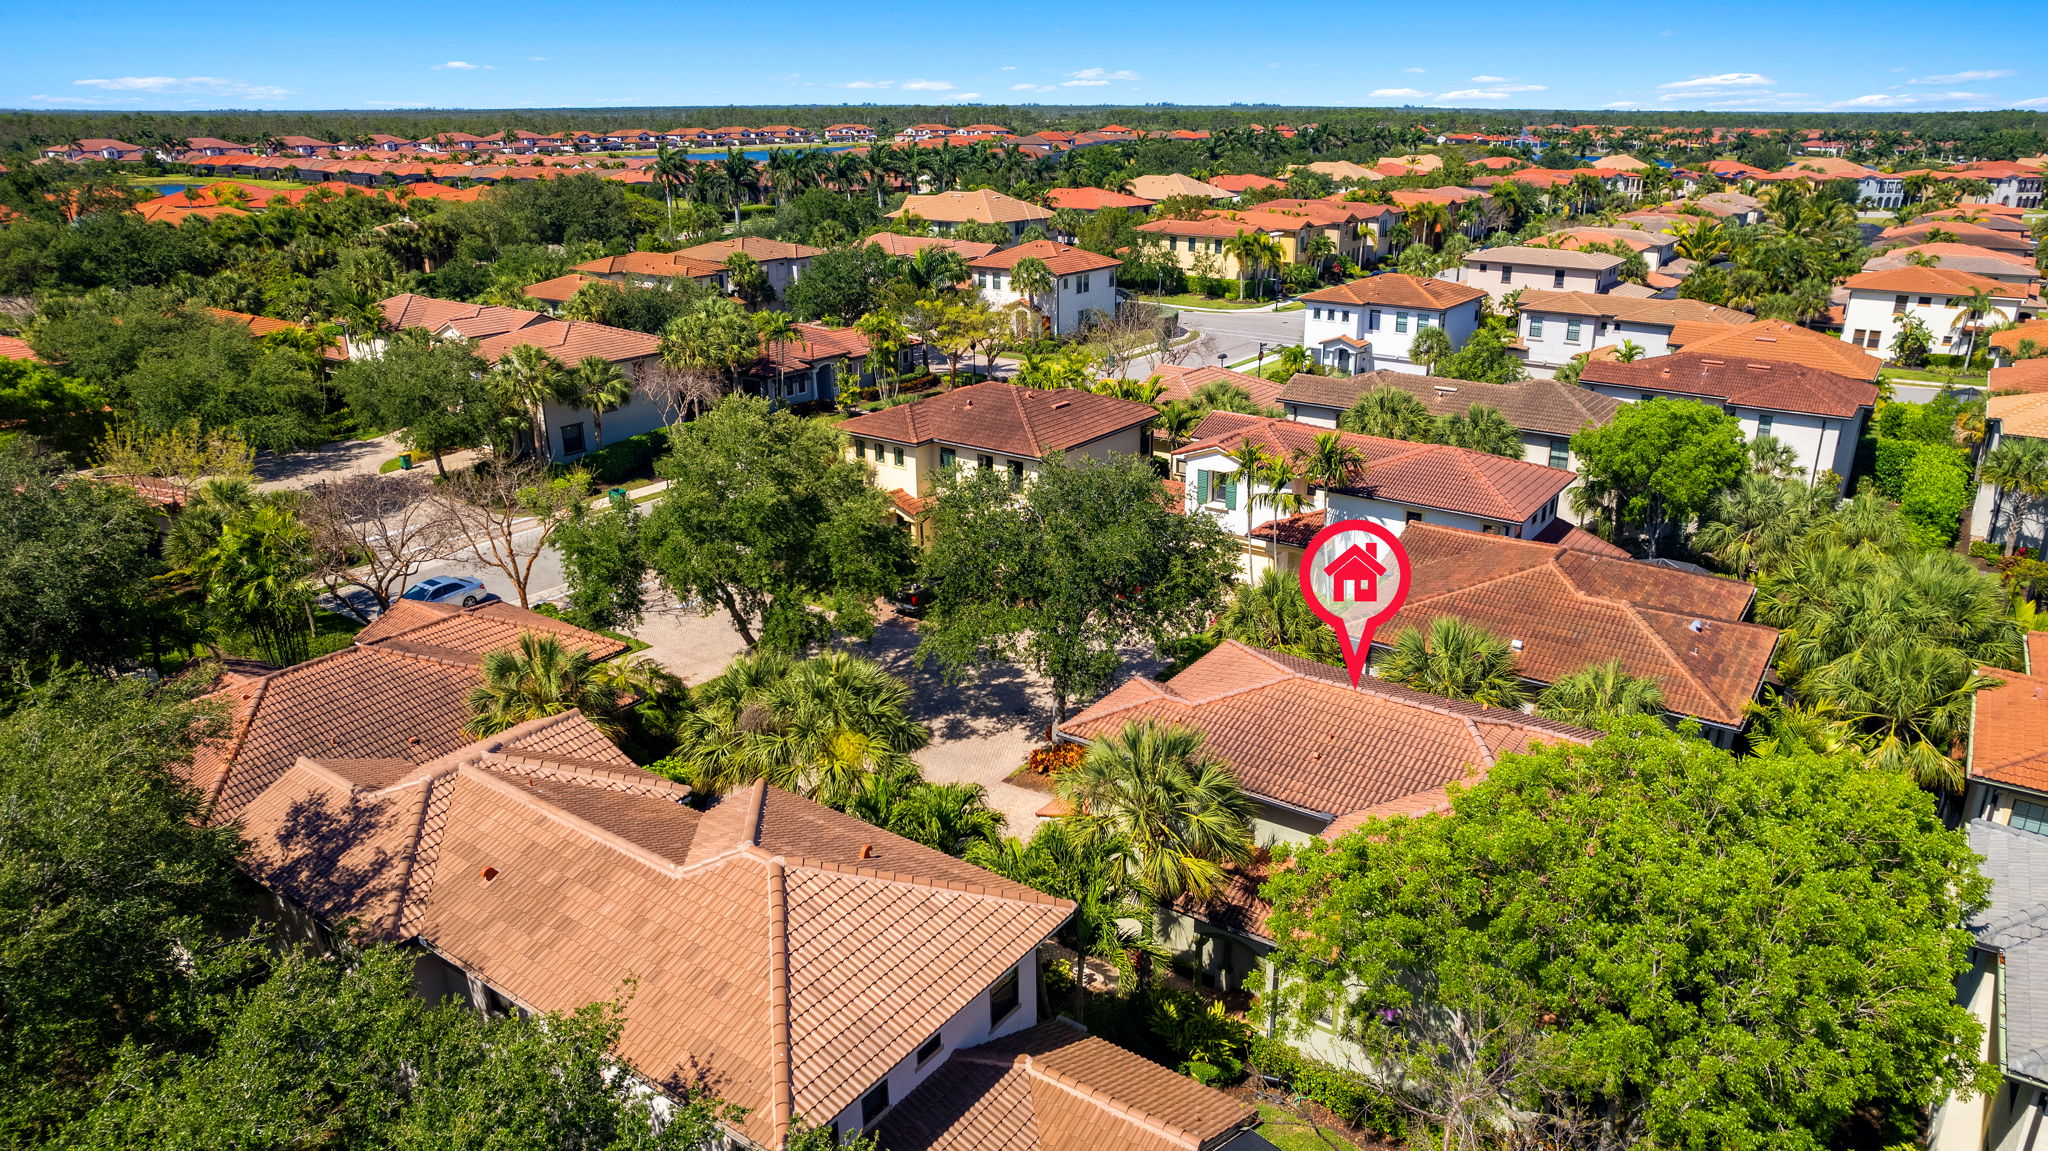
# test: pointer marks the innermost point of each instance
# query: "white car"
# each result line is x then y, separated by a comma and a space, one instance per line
448, 589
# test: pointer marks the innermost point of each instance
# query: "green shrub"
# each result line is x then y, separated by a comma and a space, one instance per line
1349, 1096
1894, 457
1937, 490
626, 459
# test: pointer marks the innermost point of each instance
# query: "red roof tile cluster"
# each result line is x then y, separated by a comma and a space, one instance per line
1094, 199
2024, 376
1017, 421
1938, 280
1060, 259
897, 244
2009, 730
1778, 342
15, 348
1572, 609
415, 311
760, 248
662, 265
1768, 384
1181, 381
1398, 290
1369, 745
1423, 475
1054, 1087
571, 341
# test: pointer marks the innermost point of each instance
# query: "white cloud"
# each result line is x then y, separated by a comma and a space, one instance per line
1624, 104
1034, 88
1724, 80
1009, 68
459, 66
1415, 71
184, 85
1493, 92
93, 101
926, 86
538, 59
1879, 100
961, 96
870, 84
1103, 74
1964, 77
1082, 83
1489, 79
1898, 100
2036, 102
1397, 93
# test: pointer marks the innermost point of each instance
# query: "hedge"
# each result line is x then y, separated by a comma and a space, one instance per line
625, 459
1349, 1096
1937, 489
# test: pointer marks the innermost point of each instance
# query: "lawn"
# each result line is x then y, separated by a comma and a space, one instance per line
1959, 379
1190, 300
1291, 1132
197, 181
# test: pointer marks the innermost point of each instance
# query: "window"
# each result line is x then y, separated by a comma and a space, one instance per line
1422, 321
898, 453
1081, 283
1763, 424
1505, 272
1222, 490
984, 462
572, 439
2030, 816
1898, 304
1535, 327
1571, 331
930, 1048
1560, 452
1400, 321
860, 449
948, 457
1016, 473
1315, 313
1372, 322
874, 1103
1926, 300
1063, 283
1411, 517
1557, 279
1003, 998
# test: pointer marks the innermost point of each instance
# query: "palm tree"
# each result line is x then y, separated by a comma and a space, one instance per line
740, 175
1031, 278
1752, 523
1271, 613
1279, 475
1456, 659
536, 678
527, 378
1249, 460
1250, 250
1482, 428
1390, 413
2018, 469
948, 817
1178, 419
1600, 693
1183, 813
776, 331
1912, 701
1972, 307
1330, 463
1078, 862
671, 171
599, 385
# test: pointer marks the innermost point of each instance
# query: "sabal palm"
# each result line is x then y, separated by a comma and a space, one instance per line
948, 817
1330, 463
1177, 421
1182, 812
2018, 469
1602, 692
527, 378
1456, 659
538, 677
1271, 613
1389, 413
1248, 460
1081, 863
599, 385
1913, 703
1031, 278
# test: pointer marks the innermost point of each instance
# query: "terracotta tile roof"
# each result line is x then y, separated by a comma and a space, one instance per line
663, 264
984, 206
1244, 183
1523, 254
1629, 310
413, 311
1061, 259
1398, 290
1570, 535
764, 250
1961, 233
1156, 188
1003, 417
1218, 225
475, 630
265, 325
1916, 278
1747, 383
1780, 342
1572, 609
14, 348
1633, 238
767, 938
1532, 405
2024, 376
1180, 381
815, 343
2024, 415
560, 288
1368, 745
571, 340
1963, 257
1054, 1087
1424, 475
2009, 730
1094, 199
2009, 339
897, 244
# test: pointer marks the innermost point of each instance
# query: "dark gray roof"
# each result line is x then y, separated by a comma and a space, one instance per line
2016, 863
1544, 406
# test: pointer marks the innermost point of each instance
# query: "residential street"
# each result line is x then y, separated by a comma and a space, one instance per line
1236, 335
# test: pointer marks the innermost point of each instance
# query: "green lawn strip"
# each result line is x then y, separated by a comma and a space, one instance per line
1187, 300
1919, 377
1291, 1132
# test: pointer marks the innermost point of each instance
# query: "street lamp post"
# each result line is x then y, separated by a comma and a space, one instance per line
1262, 357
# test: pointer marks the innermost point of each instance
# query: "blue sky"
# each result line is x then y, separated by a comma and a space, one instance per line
1738, 55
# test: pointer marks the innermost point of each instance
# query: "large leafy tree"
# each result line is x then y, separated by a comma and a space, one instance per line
1658, 465
434, 392
1087, 558
765, 514
1649, 942
76, 564
106, 879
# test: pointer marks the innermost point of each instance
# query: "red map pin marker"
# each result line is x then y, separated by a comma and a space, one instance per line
1354, 575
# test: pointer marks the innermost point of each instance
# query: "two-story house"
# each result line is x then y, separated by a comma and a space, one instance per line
1083, 285
849, 134
1555, 327
1818, 414
1202, 246
1879, 302
783, 261
1498, 271
945, 211
1372, 323
2004, 267
1401, 484
1656, 248
989, 426
1546, 413
654, 270
1356, 231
